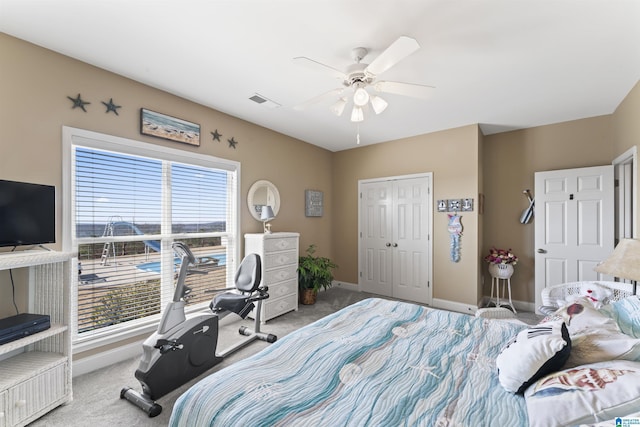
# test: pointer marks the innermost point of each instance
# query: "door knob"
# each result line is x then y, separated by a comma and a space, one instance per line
395, 245
387, 244
542, 251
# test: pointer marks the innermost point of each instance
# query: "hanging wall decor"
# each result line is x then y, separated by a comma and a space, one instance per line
111, 106
455, 230
232, 143
216, 135
78, 103
167, 127
313, 203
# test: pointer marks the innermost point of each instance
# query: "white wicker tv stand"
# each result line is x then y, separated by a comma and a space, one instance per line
35, 371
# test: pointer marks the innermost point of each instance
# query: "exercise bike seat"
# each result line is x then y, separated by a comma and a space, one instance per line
247, 281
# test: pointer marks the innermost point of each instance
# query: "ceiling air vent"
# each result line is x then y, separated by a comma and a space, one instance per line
265, 102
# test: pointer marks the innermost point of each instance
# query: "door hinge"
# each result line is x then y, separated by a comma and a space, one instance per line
361, 274
616, 182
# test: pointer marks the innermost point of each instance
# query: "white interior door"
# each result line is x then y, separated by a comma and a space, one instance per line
395, 248
375, 238
574, 224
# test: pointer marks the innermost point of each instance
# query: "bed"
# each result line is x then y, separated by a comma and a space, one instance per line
378, 363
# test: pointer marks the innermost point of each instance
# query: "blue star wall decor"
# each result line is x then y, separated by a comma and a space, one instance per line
216, 135
111, 106
232, 143
78, 102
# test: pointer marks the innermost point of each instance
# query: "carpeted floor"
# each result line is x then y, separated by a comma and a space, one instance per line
96, 396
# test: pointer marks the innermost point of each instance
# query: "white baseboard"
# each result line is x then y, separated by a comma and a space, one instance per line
345, 285
106, 358
518, 305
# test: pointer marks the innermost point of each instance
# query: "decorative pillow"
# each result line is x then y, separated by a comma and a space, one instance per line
626, 313
585, 394
534, 352
594, 336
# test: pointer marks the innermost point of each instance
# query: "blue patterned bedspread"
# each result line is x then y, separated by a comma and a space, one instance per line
374, 363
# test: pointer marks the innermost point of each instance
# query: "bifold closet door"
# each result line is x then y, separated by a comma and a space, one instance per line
394, 242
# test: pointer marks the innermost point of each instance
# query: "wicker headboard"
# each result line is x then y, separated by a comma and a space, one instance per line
551, 294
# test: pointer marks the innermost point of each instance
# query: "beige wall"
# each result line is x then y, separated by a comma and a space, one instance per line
35, 83
510, 160
452, 157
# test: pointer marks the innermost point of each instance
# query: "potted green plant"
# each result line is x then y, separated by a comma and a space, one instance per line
314, 273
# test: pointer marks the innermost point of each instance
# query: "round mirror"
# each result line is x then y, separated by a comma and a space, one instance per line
263, 193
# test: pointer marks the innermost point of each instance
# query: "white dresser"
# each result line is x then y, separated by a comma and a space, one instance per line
279, 255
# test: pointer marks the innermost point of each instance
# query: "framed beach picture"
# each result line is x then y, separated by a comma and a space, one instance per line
167, 127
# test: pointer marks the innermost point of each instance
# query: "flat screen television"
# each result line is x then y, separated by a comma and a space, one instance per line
27, 213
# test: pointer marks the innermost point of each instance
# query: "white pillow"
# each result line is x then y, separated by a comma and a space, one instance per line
594, 336
626, 313
585, 394
534, 352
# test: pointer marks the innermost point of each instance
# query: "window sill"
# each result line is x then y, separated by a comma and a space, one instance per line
122, 334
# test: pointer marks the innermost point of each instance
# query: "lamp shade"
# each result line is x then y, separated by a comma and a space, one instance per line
338, 107
624, 261
378, 104
360, 97
267, 213
356, 114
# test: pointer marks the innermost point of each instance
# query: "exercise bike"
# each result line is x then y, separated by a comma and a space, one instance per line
182, 347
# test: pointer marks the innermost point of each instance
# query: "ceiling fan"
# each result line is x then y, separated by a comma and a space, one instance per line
360, 76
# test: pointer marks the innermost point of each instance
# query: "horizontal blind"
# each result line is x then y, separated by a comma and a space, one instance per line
119, 202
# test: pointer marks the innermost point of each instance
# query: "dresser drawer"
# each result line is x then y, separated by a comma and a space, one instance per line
278, 275
276, 307
37, 394
277, 259
280, 244
283, 289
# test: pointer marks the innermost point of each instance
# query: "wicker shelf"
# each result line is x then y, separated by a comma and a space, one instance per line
35, 374
17, 369
23, 342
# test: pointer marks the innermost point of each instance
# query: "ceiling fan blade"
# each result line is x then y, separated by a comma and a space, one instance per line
333, 93
406, 89
310, 63
399, 49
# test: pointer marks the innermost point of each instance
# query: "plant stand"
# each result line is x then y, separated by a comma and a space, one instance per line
501, 275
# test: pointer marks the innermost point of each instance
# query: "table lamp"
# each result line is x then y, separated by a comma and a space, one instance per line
266, 215
624, 261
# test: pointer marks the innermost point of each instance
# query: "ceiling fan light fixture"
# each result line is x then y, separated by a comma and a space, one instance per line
378, 104
357, 115
338, 107
361, 97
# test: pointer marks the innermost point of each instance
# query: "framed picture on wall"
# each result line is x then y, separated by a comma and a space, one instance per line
167, 127
314, 203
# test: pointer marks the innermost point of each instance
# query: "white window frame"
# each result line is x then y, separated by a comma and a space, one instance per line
79, 137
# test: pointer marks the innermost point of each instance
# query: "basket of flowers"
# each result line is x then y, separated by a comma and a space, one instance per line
501, 262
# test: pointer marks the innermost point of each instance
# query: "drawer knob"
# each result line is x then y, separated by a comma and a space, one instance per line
21, 403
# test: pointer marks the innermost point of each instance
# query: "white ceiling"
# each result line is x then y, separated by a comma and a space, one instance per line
505, 64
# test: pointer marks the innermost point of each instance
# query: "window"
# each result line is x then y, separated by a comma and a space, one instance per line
128, 202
